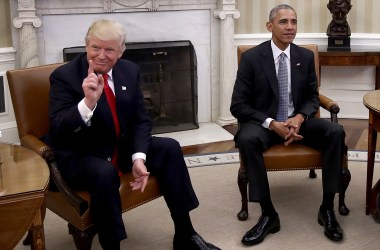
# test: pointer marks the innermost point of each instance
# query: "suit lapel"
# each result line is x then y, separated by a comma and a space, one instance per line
120, 83
295, 64
121, 93
269, 68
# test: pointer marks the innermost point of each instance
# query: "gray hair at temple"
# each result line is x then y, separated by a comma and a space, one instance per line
107, 30
273, 13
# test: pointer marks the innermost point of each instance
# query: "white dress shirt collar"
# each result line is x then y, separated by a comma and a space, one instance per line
109, 73
276, 51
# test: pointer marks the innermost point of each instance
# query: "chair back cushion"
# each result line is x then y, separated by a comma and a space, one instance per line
29, 89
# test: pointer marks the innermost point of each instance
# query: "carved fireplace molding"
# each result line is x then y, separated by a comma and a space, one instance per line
151, 5
28, 22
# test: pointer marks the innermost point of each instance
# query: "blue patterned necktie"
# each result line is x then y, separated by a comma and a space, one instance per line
282, 77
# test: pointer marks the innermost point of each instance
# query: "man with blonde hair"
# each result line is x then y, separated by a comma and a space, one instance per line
96, 140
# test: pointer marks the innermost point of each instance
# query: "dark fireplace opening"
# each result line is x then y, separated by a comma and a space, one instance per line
168, 80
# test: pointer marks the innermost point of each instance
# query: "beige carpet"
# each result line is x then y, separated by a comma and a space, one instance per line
295, 196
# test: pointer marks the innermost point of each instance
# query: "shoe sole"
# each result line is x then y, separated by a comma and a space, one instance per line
272, 231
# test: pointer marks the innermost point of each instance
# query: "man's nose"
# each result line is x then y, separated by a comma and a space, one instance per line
290, 25
102, 53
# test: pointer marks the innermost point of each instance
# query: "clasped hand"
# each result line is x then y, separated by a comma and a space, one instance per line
289, 129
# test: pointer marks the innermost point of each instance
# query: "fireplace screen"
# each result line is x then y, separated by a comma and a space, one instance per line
168, 80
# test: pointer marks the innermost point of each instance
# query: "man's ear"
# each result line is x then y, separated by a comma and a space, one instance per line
269, 26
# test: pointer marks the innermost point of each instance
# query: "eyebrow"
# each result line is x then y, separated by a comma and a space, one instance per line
285, 19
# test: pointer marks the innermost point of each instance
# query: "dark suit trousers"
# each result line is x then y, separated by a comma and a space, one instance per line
164, 160
252, 140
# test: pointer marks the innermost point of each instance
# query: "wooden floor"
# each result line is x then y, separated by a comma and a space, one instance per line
356, 139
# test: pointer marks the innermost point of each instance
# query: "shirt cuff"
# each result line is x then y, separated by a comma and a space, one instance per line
266, 123
85, 112
305, 117
138, 156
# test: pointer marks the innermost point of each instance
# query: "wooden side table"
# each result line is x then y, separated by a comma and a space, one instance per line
372, 101
352, 58
24, 177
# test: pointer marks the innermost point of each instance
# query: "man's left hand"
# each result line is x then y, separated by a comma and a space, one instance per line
141, 175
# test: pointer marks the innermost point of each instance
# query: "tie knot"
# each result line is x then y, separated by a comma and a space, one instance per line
282, 56
105, 77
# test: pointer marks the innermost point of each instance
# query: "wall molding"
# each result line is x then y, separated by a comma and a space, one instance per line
7, 58
359, 41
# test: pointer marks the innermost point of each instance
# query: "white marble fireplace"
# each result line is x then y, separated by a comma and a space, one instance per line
44, 27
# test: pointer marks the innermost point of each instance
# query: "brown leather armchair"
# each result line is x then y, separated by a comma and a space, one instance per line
295, 156
29, 89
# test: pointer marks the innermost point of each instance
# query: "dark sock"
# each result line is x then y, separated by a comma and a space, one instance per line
183, 227
328, 201
267, 206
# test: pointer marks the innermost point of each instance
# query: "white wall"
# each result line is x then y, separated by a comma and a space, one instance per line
7, 119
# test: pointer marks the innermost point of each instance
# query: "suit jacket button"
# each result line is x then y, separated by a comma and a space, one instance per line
109, 159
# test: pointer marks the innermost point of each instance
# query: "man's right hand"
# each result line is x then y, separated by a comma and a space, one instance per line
280, 128
286, 130
92, 87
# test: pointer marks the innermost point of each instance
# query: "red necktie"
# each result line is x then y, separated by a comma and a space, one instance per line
112, 103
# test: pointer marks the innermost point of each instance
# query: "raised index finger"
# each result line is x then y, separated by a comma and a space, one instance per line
90, 67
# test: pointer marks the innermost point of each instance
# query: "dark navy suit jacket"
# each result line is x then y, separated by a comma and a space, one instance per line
69, 135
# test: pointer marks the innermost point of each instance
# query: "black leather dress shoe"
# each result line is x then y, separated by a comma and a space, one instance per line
196, 242
376, 215
265, 225
333, 231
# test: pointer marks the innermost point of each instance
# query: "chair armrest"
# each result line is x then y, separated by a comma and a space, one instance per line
331, 106
32, 142
35, 144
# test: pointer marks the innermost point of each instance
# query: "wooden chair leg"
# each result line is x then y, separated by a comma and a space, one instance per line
346, 178
242, 183
28, 239
312, 173
82, 239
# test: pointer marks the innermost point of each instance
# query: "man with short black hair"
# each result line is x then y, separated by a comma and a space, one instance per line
275, 98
